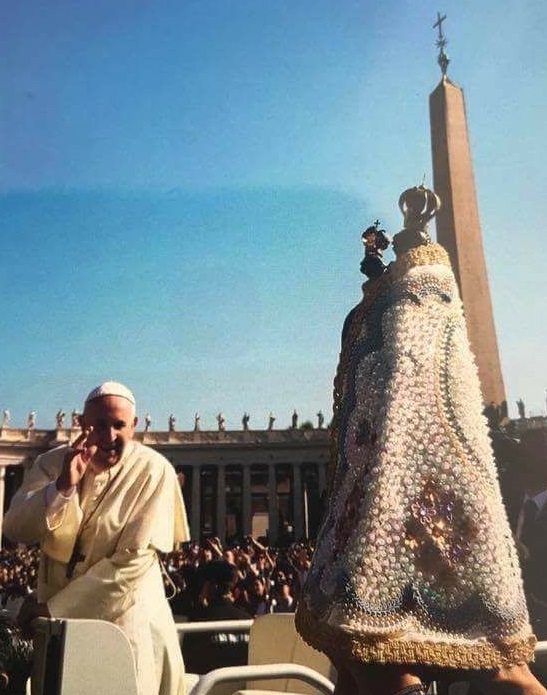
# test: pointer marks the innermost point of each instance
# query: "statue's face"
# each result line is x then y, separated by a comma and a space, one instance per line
369, 240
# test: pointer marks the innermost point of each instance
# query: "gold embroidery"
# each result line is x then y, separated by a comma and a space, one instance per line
427, 254
366, 648
439, 532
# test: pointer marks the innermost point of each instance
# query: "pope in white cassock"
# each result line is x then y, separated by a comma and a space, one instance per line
101, 509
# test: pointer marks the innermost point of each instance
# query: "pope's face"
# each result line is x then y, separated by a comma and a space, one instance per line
113, 421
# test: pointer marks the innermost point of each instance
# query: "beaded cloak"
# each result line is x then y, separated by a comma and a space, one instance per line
415, 561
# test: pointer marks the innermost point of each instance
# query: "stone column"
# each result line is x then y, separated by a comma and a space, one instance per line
2, 490
246, 510
459, 231
273, 505
221, 503
195, 514
322, 477
298, 501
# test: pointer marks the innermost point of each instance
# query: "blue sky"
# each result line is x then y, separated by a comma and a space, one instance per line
183, 185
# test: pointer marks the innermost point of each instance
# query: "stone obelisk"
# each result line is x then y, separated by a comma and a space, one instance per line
458, 226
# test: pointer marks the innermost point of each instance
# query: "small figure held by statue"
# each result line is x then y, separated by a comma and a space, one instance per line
245, 421
375, 241
221, 421
172, 422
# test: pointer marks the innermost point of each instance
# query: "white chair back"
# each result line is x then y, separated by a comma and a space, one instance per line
274, 639
84, 657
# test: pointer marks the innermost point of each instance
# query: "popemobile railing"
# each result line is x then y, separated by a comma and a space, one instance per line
64, 664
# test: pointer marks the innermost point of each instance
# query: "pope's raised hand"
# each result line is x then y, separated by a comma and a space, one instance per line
76, 460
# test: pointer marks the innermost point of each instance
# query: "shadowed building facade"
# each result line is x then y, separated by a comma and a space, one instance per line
235, 483
458, 226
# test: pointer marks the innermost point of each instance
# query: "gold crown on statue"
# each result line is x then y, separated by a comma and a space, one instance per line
418, 205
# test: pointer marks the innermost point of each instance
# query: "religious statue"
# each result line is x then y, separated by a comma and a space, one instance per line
245, 421
320, 419
60, 419
172, 422
147, 422
294, 421
521, 409
6, 417
31, 420
221, 421
414, 570
271, 420
375, 241
75, 419
196, 422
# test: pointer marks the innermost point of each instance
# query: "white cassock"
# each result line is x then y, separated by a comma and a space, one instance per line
123, 516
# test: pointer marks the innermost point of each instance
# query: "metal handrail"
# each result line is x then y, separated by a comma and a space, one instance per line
238, 673
215, 626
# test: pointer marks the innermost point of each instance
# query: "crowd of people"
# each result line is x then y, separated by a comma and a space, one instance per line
18, 572
203, 581
268, 579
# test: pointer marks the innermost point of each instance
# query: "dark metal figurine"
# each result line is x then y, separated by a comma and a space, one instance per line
375, 241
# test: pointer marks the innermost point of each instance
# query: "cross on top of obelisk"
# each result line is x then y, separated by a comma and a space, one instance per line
441, 43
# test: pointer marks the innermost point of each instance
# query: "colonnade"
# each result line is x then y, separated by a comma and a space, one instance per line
299, 492
234, 484
7, 466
